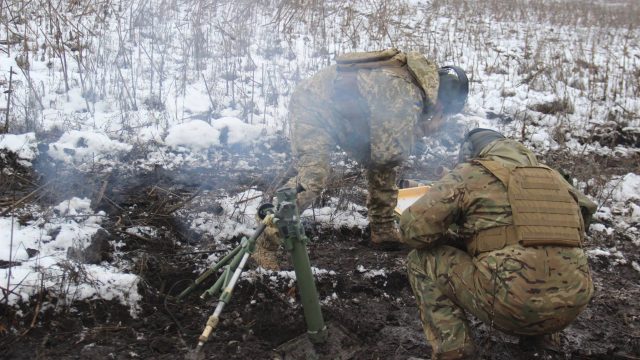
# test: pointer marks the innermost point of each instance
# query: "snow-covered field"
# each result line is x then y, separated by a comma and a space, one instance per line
105, 86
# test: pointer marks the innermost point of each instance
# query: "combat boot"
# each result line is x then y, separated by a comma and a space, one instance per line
385, 237
265, 253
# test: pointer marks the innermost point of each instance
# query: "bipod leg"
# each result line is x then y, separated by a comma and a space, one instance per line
223, 280
238, 263
210, 271
232, 255
214, 319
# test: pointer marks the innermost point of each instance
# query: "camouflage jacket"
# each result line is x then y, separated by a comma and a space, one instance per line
470, 199
372, 114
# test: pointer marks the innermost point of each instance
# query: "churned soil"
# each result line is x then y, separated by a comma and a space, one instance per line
379, 312
376, 308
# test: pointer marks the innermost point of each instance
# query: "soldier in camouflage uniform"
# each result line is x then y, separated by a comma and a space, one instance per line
370, 105
520, 267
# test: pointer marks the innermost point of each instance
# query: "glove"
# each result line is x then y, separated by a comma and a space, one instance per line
267, 245
268, 220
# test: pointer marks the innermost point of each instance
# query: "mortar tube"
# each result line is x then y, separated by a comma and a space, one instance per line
316, 328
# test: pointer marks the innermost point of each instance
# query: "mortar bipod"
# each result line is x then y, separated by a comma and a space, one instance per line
286, 218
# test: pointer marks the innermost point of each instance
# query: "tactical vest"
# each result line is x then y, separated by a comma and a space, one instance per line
543, 210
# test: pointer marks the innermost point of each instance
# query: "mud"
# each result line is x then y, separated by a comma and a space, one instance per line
378, 311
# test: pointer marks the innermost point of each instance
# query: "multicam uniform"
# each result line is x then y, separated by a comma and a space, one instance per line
368, 108
523, 271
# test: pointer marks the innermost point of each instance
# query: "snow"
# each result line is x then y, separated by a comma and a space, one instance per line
23, 145
626, 188
196, 135
601, 228
38, 253
371, 273
237, 216
154, 93
78, 147
74, 206
337, 218
616, 256
238, 132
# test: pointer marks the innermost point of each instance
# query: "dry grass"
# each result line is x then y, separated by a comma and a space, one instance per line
250, 54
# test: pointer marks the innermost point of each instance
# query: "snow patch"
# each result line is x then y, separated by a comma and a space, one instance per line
86, 146
237, 132
36, 258
626, 188
24, 146
368, 274
338, 218
195, 135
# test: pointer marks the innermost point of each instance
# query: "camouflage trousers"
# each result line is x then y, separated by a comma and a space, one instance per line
497, 288
382, 198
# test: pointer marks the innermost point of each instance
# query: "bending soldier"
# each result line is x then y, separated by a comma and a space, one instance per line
371, 105
522, 269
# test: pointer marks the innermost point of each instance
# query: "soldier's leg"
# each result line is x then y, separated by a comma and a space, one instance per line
381, 202
444, 323
311, 144
394, 108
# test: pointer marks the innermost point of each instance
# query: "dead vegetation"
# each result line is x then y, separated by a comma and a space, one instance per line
248, 56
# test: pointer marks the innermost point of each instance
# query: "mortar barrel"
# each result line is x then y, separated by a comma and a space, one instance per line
316, 328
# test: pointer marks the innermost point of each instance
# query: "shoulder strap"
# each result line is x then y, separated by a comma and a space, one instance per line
497, 169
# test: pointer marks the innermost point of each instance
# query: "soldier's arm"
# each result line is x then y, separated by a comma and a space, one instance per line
311, 140
429, 218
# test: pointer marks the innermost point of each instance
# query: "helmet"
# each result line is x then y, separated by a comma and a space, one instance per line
453, 89
476, 140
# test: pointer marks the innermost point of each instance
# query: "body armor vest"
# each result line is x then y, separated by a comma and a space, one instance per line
543, 210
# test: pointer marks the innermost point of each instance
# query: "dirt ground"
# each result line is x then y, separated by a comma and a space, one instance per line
379, 311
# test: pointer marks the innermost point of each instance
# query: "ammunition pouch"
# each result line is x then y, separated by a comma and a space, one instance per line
543, 210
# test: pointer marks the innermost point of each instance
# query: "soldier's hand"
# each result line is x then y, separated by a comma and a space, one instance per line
268, 220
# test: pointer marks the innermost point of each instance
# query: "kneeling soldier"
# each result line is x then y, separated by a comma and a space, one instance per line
523, 270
